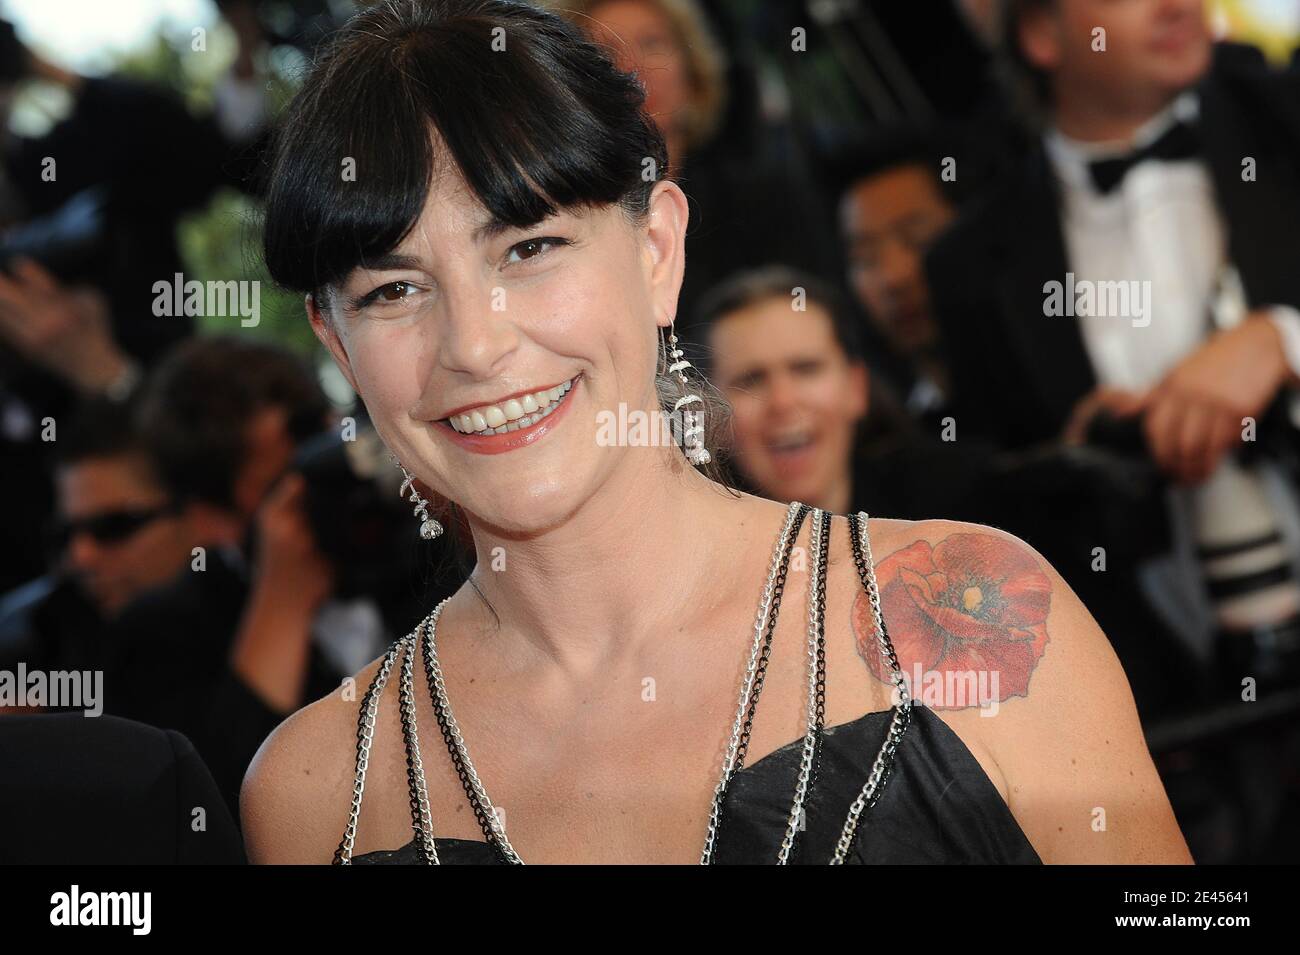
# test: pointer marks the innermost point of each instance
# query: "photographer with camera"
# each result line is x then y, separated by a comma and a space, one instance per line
303, 564
224, 417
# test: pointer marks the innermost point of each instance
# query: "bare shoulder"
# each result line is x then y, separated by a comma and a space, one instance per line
992, 638
296, 794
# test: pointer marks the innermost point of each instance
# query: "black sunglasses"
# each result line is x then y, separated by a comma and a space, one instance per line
106, 527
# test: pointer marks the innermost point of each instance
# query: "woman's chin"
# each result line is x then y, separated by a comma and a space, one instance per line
526, 509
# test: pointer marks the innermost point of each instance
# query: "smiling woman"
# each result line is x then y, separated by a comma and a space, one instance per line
548, 133
471, 198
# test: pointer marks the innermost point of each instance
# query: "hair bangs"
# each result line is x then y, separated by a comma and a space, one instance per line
515, 101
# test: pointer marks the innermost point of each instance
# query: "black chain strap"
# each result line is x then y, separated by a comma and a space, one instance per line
820, 697
860, 561
760, 675
480, 811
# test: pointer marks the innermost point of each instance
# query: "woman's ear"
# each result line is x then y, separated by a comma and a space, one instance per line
665, 248
323, 325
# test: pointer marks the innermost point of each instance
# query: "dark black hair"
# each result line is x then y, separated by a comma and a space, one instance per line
535, 117
779, 281
894, 147
194, 410
101, 428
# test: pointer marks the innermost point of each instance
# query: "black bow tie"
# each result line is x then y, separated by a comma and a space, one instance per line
1178, 142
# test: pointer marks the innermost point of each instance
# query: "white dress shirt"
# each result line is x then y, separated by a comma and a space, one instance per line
1162, 225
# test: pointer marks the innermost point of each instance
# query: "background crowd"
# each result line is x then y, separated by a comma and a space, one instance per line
882, 196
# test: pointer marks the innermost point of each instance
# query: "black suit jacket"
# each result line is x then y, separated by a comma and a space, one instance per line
169, 666
107, 791
1017, 373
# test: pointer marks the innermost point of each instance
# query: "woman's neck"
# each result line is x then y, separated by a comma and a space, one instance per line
651, 546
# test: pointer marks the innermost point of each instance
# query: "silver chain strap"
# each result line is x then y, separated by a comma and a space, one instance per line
498, 827
424, 821
815, 582
365, 738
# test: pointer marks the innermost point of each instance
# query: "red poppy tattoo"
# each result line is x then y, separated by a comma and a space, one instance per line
971, 606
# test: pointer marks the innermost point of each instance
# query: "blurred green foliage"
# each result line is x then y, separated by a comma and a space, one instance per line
221, 242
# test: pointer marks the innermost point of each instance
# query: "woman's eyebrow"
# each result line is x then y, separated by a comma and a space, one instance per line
490, 229
391, 261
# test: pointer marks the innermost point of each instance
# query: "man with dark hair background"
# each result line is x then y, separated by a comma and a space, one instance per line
893, 204
118, 533
226, 650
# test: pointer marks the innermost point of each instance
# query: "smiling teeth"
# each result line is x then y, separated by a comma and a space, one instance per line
513, 414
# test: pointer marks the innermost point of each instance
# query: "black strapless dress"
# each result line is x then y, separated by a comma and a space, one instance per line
937, 805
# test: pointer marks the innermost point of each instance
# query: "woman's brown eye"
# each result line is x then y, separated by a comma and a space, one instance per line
393, 291
532, 244
539, 246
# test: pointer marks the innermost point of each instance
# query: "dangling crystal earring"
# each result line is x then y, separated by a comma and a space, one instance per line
429, 528
693, 430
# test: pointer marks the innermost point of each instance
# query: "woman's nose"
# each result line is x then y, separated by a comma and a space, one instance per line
478, 331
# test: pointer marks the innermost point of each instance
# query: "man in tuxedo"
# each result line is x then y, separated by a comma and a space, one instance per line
1136, 280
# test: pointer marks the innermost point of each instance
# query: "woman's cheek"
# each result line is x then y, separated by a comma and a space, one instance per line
387, 374
573, 306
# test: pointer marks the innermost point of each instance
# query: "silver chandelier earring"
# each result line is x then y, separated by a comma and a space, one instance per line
429, 528
692, 421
